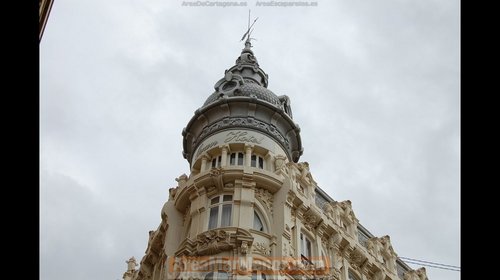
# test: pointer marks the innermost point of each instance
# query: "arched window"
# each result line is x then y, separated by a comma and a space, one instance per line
217, 275
258, 276
257, 222
220, 211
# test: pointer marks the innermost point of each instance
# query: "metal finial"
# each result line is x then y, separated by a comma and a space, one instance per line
249, 31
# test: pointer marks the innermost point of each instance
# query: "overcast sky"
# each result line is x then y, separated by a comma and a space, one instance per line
374, 86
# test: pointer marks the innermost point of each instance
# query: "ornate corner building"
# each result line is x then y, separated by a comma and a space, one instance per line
249, 209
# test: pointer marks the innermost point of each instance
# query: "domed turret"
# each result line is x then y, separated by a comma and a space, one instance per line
242, 100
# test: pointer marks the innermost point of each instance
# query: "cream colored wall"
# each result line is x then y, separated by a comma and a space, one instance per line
276, 190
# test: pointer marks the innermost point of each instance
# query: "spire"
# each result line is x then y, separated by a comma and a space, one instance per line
249, 31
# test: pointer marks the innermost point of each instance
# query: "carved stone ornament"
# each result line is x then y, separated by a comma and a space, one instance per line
418, 274
388, 254
131, 264
279, 165
266, 198
335, 274
172, 192
262, 248
213, 242
244, 247
181, 180
305, 175
357, 257
249, 122
310, 221
374, 248
290, 197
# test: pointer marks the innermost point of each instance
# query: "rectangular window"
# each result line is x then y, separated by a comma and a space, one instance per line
308, 248
214, 200
226, 215
232, 159
305, 246
216, 162
214, 213
236, 159
240, 159
261, 163
220, 211
253, 162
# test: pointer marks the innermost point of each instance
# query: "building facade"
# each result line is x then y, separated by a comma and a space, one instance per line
249, 209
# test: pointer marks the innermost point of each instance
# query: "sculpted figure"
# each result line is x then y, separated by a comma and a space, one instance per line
348, 217
422, 275
379, 275
328, 208
182, 180
374, 248
279, 165
131, 264
305, 175
172, 192
336, 212
388, 253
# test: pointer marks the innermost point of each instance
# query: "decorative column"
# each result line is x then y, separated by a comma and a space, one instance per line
223, 160
248, 154
204, 159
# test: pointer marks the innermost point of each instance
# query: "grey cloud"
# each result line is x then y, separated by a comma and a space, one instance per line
374, 87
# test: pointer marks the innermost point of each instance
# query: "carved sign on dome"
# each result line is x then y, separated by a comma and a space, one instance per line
249, 122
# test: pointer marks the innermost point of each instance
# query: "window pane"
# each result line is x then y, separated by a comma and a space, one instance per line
214, 212
227, 197
253, 163
226, 215
218, 161
209, 276
222, 275
232, 160
214, 200
308, 248
213, 163
261, 163
240, 159
257, 223
263, 276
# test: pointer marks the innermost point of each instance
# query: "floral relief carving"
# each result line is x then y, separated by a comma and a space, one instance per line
213, 242
262, 248
266, 198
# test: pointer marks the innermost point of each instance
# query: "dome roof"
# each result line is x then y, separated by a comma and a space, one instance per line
248, 88
243, 84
